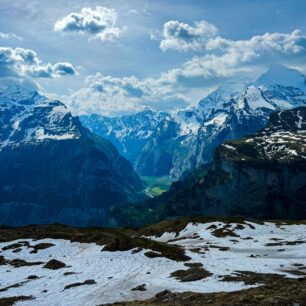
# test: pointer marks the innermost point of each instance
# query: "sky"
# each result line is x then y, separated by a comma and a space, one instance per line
118, 57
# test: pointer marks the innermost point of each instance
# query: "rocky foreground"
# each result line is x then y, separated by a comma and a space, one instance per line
195, 261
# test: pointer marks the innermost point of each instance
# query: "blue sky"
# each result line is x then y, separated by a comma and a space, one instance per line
116, 57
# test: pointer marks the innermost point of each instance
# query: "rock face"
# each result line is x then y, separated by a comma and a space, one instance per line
160, 143
52, 168
144, 138
263, 176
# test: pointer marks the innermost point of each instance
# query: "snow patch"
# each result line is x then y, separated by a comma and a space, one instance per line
255, 247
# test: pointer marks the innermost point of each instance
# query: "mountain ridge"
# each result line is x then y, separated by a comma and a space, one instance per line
187, 139
261, 176
55, 170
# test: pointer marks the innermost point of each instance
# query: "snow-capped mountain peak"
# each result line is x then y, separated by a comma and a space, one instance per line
279, 75
28, 117
18, 94
236, 109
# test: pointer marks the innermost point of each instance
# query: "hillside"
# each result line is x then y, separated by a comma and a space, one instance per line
52, 168
261, 176
230, 261
159, 143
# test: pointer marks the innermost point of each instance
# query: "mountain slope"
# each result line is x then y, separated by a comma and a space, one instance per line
54, 170
189, 137
261, 176
142, 138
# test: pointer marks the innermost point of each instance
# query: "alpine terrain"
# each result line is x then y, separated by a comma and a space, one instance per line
159, 143
189, 261
261, 176
52, 168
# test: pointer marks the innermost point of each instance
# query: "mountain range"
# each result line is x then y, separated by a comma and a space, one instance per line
229, 157
160, 143
52, 168
261, 176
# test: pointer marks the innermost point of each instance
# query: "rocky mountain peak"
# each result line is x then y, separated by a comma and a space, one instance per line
52, 168
28, 117
283, 140
236, 109
291, 120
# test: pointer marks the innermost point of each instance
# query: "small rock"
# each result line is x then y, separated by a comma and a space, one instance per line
134, 251
69, 273
33, 277
140, 288
54, 264
87, 282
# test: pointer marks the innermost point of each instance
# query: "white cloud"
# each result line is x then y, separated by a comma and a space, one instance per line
184, 37
24, 82
110, 96
222, 59
291, 43
203, 37
10, 36
98, 23
25, 63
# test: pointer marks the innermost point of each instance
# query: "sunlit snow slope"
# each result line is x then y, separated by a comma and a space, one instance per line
92, 276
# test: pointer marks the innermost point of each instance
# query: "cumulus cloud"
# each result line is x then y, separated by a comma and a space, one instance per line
220, 60
51, 71
203, 37
113, 96
227, 58
184, 37
25, 62
291, 43
10, 36
98, 23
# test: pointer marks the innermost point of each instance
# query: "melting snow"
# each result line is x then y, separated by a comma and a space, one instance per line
217, 120
228, 146
299, 123
116, 273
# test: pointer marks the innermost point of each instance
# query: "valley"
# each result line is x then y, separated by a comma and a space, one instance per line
240, 151
155, 186
261, 176
55, 170
153, 153
175, 144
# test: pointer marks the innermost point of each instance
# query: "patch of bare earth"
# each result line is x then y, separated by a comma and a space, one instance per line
16, 263
17, 247
194, 273
284, 292
87, 282
121, 239
252, 278
11, 286
140, 288
8, 301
